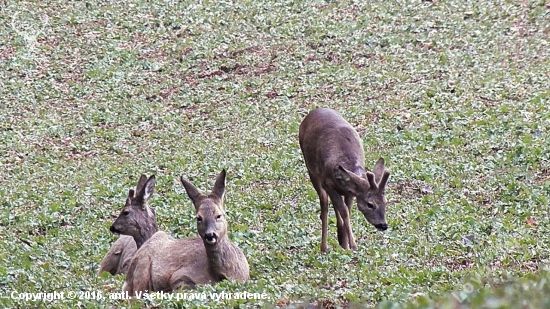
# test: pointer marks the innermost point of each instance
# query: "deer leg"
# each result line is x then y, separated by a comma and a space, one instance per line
323, 200
180, 279
348, 199
342, 235
139, 276
343, 211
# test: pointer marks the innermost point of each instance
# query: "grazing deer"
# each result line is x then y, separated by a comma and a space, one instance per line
167, 264
334, 157
135, 224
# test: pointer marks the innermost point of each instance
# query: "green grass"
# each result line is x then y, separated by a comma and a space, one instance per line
454, 94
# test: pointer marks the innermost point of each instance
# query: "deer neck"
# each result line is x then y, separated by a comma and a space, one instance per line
144, 234
220, 257
360, 170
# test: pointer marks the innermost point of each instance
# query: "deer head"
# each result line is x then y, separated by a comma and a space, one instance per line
211, 221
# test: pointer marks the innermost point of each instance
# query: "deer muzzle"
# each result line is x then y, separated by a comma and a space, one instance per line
210, 238
114, 230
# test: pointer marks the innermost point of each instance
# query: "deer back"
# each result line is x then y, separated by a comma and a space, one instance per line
327, 141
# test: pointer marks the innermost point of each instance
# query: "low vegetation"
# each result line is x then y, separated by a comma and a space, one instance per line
453, 94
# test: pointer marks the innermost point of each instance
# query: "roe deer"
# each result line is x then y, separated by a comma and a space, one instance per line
334, 156
135, 224
118, 258
226, 260
167, 264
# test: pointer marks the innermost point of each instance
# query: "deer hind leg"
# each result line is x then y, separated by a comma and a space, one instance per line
342, 210
323, 198
110, 262
323, 201
180, 279
128, 286
141, 277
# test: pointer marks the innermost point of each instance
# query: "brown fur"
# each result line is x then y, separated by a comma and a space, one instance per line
167, 264
137, 219
118, 258
136, 223
334, 156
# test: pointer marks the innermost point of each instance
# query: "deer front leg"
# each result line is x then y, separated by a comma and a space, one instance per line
348, 199
342, 234
342, 209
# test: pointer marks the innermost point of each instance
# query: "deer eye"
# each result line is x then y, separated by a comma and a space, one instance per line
218, 217
199, 219
125, 213
370, 205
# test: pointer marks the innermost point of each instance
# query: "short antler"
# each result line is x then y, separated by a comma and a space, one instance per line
372, 182
384, 180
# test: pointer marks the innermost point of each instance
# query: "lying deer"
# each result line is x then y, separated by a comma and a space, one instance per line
135, 224
167, 264
118, 258
334, 157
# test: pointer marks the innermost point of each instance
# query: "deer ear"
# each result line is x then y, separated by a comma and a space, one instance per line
141, 182
191, 190
219, 186
348, 180
147, 189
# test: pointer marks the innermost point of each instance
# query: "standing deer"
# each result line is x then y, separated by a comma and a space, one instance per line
135, 224
167, 264
334, 156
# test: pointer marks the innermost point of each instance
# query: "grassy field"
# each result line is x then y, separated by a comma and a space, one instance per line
453, 94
